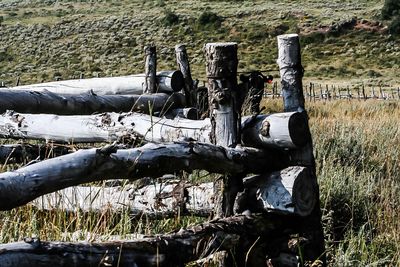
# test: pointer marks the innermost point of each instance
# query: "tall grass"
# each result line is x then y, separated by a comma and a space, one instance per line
357, 154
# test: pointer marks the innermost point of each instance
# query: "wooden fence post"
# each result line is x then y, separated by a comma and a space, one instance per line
291, 70
183, 62
150, 69
221, 70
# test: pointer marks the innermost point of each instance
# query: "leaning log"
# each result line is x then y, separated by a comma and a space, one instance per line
183, 62
167, 82
25, 184
50, 103
281, 130
238, 233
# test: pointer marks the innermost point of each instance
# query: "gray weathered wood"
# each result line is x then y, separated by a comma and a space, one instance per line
221, 69
108, 127
167, 81
291, 191
85, 104
25, 184
164, 197
150, 69
291, 70
183, 63
289, 130
236, 233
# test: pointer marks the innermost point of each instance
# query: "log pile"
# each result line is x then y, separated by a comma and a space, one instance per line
267, 194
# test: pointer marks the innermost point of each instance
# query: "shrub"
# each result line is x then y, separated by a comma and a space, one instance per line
170, 18
394, 27
1, 19
208, 18
390, 9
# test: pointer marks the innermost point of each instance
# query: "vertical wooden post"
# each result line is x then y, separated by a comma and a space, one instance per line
291, 71
183, 63
363, 92
150, 69
221, 70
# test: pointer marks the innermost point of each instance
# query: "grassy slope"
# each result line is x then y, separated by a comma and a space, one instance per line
346, 56
356, 143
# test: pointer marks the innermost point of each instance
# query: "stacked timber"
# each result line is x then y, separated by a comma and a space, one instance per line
267, 192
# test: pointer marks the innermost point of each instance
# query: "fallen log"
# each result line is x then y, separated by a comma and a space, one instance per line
88, 165
281, 130
237, 233
289, 191
50, 103
167, 82
155, 200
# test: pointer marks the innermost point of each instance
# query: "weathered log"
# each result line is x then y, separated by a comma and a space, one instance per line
23, 185
225, 112
19, 153
289, 61
183, 63
236, 233
158, 199
167, 81
221, 69
291, 191
108, 127
288, 130
291, 70
51, 103
150, 69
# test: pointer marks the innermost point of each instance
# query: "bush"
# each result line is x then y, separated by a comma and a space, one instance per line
390, 9
394, 27
170, 18
208, 18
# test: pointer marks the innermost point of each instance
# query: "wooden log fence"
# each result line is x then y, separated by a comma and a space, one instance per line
255, 216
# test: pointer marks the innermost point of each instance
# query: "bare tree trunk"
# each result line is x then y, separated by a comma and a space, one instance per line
236, 233
289, 62
50, 103
150, 69
167, 82
281, 130
23, 185
183, 62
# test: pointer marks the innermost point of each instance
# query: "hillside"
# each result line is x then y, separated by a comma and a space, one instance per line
342, 41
